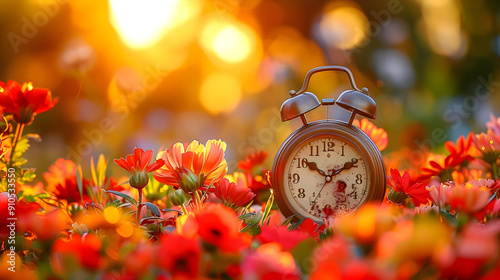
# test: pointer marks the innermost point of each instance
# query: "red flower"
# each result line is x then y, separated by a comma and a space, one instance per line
4, 214
441, 166
217, 225
85, 250
288, 239
25, 101
139, 167
232, 194
61, 181
460, 152
255, 171
311, 228
270, 262
180, 256
402, 188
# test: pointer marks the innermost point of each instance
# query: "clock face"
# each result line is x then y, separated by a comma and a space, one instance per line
326, 177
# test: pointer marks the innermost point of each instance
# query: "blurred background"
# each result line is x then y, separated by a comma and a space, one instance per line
154, 72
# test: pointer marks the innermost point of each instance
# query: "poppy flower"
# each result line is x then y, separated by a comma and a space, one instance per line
191, 166
139, 167
402, 188
378, 135
233, 195
217, 226
24, 102
288, 239
179, 256
84, 249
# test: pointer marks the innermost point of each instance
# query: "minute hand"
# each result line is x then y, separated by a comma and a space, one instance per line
348, 165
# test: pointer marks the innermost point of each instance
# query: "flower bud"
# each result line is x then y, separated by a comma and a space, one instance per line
396, 197
138, 179
177, 197
189, 181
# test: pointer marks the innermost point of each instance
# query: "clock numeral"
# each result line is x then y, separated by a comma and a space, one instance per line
301, 163
302, 193
312, 151
359, 179
295, 178
342, 153
354, 193
328, 147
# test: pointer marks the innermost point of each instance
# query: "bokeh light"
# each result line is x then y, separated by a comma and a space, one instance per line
229, 42
342, 26
220, 92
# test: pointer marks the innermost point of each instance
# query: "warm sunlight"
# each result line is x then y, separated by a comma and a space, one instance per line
141, 24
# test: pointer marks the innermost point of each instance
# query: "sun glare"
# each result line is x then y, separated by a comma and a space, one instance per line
141, 24
220, 92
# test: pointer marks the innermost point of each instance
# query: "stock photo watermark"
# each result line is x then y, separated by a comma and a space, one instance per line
10, 223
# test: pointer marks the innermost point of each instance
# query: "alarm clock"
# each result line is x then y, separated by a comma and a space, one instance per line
328, 168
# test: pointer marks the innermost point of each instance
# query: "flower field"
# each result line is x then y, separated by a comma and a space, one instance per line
178, 214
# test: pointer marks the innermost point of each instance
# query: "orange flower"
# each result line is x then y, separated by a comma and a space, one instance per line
217, 225
461, 151
469, 198
25, 101
378, 135
440, 165
192, 166
179, 256
139, 167
403, 188
233, 195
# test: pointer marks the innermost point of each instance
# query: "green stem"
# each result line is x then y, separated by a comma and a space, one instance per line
15, 140
139, 207
197, 199
495, 170
184, 209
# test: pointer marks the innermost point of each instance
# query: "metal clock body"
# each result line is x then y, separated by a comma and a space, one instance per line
328, 168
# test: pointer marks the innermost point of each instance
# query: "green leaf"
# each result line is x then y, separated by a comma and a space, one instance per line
302, 252
245, 216
126, 196
287, 221
296, 225
269, 206
151, 219
154, 209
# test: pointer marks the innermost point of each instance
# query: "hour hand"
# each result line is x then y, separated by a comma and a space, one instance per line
313, 166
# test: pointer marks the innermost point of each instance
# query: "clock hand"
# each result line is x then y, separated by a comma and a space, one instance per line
328, 179
348, 165
313, 166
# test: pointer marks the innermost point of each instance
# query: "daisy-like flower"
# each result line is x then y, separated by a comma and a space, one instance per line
469, 198
139, 167
488, 144
378, 135
402, 188
191, 166
233, 195
255, 171
25, 102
